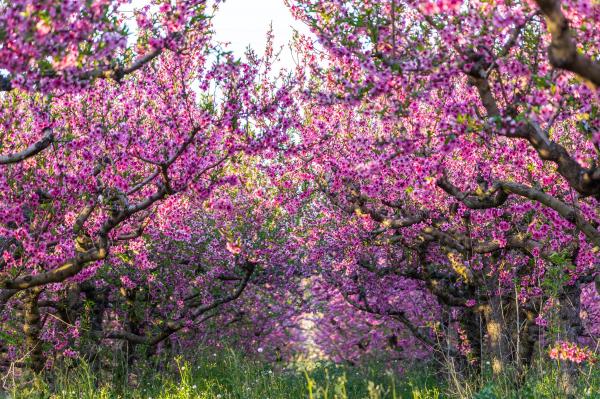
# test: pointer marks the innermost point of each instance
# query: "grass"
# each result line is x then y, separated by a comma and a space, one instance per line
228, 375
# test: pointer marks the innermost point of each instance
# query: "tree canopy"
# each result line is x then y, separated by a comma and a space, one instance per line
423, 184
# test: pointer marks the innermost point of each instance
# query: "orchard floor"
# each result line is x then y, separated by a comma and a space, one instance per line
227, 375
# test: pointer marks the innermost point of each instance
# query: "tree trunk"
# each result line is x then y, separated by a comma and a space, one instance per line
494, 327
571, 328
32, 329
470, 323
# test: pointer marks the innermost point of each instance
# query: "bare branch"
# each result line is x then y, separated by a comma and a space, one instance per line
584, 181
116, 73
487, 201
30, 151
68, 269
143, 183
563, 52
177, 325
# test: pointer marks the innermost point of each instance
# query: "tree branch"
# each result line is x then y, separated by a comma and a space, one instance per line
487, 201
30, 151
584, 181
116, 73
177, 325
562, 51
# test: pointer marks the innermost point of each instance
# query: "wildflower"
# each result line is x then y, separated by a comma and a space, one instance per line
541, 321
127, 282
564, 350
43, 27
233, 248
504, 225
70, 353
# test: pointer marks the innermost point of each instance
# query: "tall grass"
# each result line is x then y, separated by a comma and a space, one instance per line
227, 375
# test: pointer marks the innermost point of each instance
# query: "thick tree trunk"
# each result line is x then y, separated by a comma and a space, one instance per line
441, 353
495, 331
522, 338
528, 342
32, 329
571, 328
133, 324
471, 325
99, 301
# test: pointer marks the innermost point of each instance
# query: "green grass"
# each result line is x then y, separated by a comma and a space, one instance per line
230, 376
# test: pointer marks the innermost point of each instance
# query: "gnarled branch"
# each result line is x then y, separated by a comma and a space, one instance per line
30, 151
562, 51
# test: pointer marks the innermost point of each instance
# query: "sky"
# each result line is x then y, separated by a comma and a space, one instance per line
246, 22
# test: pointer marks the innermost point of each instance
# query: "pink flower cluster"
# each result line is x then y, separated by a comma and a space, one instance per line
564, 350
440, 6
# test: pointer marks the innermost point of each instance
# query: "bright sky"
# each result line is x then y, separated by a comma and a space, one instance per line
245, 23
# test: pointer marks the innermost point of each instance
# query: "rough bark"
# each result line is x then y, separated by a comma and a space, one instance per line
31, 329
495, 331
571, 328
562, 51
